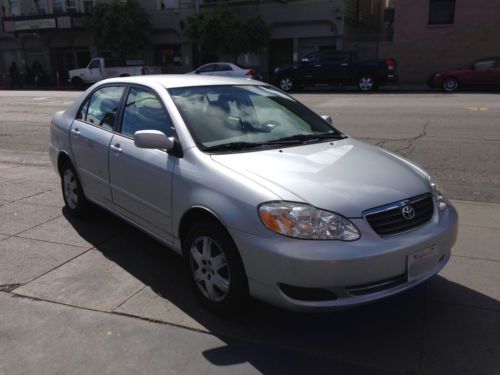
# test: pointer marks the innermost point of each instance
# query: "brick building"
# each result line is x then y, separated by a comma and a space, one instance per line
431, 35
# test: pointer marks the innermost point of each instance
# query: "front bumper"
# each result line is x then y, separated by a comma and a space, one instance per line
343, 267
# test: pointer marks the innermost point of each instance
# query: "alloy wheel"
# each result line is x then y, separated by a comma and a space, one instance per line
366, 83
450, 84
286, 84
210, 268
70, 188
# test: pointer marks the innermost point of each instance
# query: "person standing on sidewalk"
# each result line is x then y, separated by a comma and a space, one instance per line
14, 75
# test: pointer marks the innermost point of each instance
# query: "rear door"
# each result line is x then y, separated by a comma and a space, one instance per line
141, 179
336, 66
90, 137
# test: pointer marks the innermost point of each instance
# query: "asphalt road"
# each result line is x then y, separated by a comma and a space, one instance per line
455, 137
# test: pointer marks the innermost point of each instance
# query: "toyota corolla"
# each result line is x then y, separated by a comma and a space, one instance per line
259, 194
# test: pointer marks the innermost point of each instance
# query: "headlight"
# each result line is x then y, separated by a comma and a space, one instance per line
438, 193
306, 222
276, 70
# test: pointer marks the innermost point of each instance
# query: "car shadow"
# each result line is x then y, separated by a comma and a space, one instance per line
371, 339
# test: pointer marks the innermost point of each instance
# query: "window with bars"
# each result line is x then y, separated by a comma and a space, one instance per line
441, 12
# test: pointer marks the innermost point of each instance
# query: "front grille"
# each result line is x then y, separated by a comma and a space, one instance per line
389, 220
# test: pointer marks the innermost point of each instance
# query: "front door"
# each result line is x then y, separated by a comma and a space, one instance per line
141, 179
90, 136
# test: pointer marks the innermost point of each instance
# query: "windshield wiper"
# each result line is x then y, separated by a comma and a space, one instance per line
305, 138
233, 146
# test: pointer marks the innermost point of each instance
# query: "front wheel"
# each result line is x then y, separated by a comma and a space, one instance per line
287, 83
451, 84
367, 83
215, 268
73, 195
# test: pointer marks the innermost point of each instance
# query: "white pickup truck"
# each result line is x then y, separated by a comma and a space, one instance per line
96, 70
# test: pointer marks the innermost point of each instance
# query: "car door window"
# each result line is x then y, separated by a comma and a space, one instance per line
95, 64
102, 107
222, 68
486, 64
206, 69
144, 111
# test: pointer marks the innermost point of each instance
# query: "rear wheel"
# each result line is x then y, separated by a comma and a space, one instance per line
367, 82
287, 83
73, 195
215, 268
451, 84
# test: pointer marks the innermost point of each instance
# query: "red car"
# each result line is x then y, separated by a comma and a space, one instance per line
483, 73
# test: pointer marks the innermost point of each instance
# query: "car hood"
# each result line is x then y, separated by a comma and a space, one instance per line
347, 176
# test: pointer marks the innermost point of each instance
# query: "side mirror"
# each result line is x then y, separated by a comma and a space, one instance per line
153, 139
328, 119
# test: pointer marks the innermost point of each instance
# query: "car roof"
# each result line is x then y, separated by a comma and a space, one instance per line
183, 80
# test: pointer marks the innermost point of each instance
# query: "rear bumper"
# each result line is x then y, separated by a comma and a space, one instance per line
354, 273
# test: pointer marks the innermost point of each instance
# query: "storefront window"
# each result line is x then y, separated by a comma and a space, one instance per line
71, 5
88, 5
39, 7
57, 6
14, 8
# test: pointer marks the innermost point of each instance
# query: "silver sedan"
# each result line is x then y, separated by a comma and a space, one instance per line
260, 195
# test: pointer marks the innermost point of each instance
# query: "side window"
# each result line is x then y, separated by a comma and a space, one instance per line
94, 64
206, 68
486, 64
222, 68
103, 107
143, 111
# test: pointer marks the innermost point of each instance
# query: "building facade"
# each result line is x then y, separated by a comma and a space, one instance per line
51, 32
432, 35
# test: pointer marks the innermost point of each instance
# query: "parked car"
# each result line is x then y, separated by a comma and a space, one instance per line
97, 70
260, 195
335, 67
225, 69
482, 73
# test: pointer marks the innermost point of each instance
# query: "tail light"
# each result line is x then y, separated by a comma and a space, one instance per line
250, 72
391, 64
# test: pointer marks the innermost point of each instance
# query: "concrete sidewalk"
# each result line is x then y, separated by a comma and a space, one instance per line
98, 296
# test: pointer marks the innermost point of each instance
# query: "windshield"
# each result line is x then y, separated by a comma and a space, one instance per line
227, 118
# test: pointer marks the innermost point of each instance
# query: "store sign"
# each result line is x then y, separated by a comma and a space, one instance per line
44, 23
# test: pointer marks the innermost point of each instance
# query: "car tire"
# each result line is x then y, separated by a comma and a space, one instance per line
451, 84
367, 83
72, 191
286, 83
215, 268
77, 83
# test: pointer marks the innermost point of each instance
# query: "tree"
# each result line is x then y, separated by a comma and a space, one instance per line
220, 32
123, 28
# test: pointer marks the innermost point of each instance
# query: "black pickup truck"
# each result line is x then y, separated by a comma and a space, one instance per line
334, 68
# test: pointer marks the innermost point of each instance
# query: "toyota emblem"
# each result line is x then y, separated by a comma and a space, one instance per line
408, 212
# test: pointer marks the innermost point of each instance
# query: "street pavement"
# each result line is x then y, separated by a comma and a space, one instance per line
97, 296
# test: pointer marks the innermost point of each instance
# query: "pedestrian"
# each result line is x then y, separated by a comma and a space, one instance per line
13, 74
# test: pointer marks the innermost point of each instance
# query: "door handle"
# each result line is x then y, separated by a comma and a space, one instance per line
344, 64
317, 66
116, 147
75, 131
